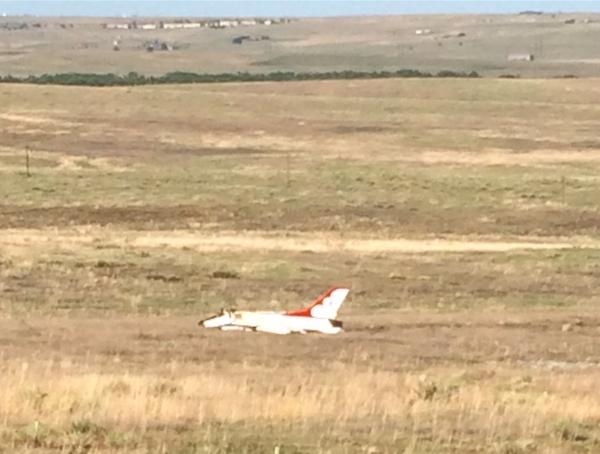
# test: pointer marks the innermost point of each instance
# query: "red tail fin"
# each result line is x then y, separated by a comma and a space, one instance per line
325, 306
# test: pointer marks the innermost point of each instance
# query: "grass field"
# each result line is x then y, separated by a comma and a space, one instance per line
463, 214
468, 42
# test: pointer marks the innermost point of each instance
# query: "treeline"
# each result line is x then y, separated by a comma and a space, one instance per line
178, 77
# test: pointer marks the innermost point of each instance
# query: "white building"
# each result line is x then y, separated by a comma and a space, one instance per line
521, 57
226, 23
117, 26
173, 25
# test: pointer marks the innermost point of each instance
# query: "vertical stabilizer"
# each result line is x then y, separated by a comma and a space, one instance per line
325, 306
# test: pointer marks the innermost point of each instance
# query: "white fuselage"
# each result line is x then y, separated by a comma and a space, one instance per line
272, 322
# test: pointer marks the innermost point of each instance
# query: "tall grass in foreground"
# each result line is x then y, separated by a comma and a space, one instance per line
53, 405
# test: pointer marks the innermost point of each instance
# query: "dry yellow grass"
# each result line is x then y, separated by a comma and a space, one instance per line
21, 242
434, 409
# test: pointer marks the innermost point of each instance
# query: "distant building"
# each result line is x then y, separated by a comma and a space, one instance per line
225, 23
116, 26
521, 57
148, 27
422, 31
172, 25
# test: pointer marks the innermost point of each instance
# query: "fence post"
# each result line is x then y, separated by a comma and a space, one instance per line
27, 161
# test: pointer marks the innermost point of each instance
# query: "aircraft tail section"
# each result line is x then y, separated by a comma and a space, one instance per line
325, 306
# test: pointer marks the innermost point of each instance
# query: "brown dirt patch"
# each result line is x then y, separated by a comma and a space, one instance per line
385, 341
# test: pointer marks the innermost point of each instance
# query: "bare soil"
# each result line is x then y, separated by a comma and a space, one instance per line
393, 341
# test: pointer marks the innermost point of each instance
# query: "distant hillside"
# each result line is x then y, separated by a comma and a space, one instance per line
529, 45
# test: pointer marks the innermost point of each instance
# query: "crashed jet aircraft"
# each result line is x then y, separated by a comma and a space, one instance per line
318, 317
